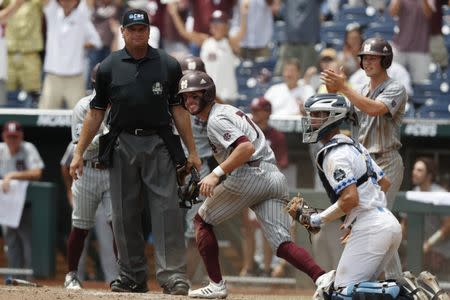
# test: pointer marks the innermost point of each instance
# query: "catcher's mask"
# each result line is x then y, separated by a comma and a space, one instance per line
334, 109
379, 47
197, 81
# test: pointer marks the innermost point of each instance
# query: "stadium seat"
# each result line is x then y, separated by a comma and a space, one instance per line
382, 30
437, 110
362, 15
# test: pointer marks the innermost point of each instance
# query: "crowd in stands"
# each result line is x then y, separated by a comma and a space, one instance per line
47, 47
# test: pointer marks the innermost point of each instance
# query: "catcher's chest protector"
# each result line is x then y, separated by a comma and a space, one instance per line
373, 290
325, 150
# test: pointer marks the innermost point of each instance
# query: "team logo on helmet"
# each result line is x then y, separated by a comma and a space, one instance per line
191, 65
367, 47
184, 84
203, 81
157, 88
385, 49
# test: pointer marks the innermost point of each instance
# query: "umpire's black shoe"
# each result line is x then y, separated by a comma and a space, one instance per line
178, 288
125, 285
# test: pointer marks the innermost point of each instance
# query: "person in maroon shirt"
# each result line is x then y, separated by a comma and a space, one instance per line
261, 110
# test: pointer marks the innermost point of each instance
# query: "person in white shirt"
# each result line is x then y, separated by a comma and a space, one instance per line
217, 49
287, 98
69, 32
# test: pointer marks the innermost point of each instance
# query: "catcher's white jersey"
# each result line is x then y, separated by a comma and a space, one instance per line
343, 166
226, 124
376, 233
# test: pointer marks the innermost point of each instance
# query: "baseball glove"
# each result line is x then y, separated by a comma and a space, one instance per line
188, 193
301, 212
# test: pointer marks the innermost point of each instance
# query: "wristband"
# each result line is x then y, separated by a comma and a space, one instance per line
315, 220
435, 238
218, 171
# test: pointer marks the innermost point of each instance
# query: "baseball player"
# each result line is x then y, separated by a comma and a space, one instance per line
253, 180
380, 105
356, 185
88, 192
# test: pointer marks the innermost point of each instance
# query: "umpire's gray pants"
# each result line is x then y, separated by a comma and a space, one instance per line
392, 165
143, 171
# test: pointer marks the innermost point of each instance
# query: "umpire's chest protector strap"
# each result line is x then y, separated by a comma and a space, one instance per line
333, 143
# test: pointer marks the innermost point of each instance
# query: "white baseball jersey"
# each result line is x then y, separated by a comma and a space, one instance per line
260, 186
27, 158
226, 124
343, 165
376, 233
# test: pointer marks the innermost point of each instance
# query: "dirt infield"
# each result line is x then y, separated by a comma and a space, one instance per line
46, 292
59, 293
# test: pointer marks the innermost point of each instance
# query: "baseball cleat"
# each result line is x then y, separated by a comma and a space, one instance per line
430, 286
72, 282
211, 291
323, 283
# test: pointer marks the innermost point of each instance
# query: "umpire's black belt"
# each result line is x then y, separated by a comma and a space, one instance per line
94, 164
141, 131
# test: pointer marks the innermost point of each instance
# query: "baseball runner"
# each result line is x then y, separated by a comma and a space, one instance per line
356, 185
380, 105
253, 180
88, 193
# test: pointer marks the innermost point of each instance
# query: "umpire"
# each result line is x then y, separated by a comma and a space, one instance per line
141, 83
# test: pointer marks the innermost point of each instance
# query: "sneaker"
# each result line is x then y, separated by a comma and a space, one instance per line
412, 288
211, 291
71, 282
323, 283
430, 286
125, 285
180, 287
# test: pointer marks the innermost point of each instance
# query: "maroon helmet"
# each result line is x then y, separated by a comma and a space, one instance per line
192, 63
196, 81
377, 46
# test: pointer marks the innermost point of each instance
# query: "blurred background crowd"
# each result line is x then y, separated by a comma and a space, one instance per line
272, 51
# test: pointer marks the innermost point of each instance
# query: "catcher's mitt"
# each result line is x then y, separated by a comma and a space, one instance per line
301, 212
188, 193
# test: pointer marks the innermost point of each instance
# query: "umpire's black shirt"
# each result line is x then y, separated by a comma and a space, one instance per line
140, 91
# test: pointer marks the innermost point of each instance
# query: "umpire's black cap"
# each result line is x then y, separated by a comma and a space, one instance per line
134, 17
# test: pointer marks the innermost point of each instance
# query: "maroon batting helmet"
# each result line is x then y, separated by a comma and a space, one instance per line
377, 46
197, 81
192, 63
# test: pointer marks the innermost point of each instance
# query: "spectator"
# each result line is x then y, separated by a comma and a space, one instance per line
438, 50
436, 247
327, 57
143, 108
19, 160
105, 16
302, 19
69, 32
412, 41
261, 110
259, 28
201, 13
352, 44
217, 50
287, 97
24, 40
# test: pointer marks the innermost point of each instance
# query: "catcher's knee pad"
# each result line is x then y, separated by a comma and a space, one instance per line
370, 290
204, 236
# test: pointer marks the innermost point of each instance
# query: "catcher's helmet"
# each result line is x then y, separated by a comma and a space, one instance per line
314, 128
192, 63
197, 81
377, 46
